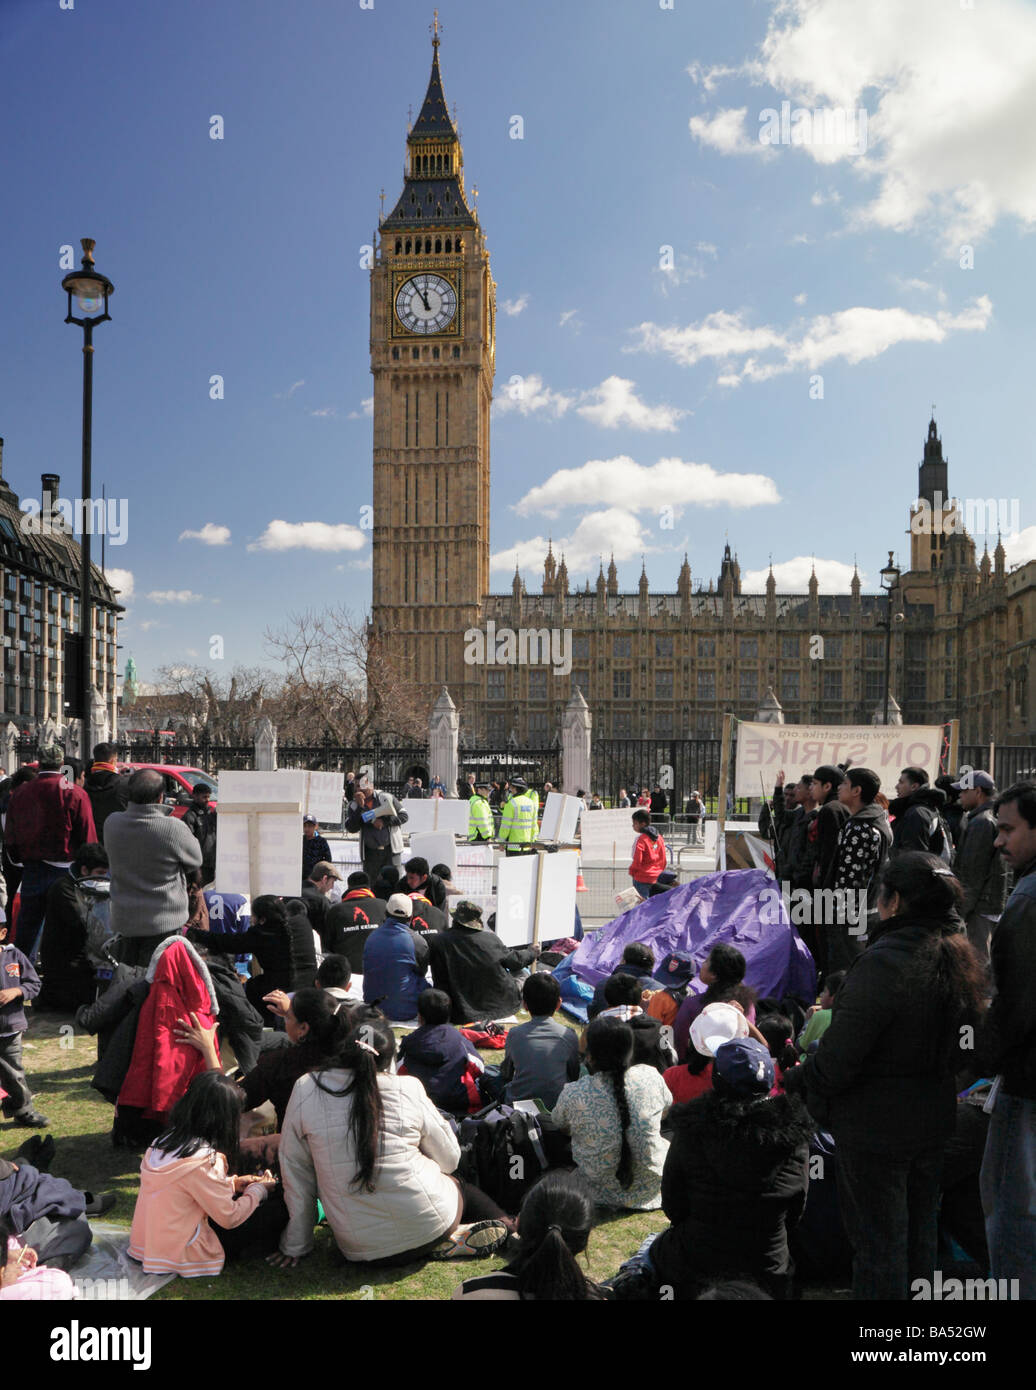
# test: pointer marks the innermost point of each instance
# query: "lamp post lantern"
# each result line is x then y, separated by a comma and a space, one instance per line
889, 580
91, 292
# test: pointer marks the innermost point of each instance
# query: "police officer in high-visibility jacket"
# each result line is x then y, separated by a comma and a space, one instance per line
480, 815
519, 821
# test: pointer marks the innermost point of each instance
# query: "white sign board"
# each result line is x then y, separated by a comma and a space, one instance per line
435, 814
437, 848
764, 749
560, 817
279, 866
516, 897
607, 837
322, 796
257, 787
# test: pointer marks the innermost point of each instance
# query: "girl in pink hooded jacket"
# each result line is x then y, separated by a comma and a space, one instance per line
184, 1184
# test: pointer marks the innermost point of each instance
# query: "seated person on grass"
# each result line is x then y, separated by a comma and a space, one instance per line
554, 1226
614, 1115
722, 972
335, 975
638, 961
442, 1059
191, 1214
541, 1056
651, 1039
45, 1213
23, 1279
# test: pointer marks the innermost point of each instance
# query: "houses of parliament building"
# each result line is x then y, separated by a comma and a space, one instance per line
650, 664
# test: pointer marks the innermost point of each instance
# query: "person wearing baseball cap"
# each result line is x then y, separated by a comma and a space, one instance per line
395, 960
715, 1025
979, 865
475, 968
314, 847
675, 974
736, 1175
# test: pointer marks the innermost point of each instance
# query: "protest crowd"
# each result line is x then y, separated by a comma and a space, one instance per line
286, 1062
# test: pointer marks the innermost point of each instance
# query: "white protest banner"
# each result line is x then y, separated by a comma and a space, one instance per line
607, 837
536, 897
322, 796
437, 848
435, 814
560, 817
765, 749
259, 834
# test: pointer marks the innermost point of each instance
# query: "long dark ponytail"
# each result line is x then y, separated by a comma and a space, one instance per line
931, 896
554, 1224
609, 1046
366, 1050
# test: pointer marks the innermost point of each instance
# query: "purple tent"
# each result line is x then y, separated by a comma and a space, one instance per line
742, 906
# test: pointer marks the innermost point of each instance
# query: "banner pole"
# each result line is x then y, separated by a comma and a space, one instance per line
951, 755
724, 775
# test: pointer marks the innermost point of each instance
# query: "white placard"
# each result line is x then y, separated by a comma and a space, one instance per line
560, 817
607, 837
435, 814
279, 869
257, 787
322, 796
516, 897
763, 750
437, 848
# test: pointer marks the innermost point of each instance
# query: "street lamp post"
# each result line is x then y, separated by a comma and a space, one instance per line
91, 292
889, 579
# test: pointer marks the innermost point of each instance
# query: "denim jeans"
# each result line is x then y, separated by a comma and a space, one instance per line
1008, 1183
644, 889
36, 880
889, 1205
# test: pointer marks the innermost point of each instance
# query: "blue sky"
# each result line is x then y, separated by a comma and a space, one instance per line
669, 286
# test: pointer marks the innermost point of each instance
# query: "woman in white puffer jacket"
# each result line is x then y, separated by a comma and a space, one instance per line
377, 1153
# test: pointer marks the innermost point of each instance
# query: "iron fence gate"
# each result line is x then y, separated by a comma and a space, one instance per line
536, 765
1012, 764
678, 766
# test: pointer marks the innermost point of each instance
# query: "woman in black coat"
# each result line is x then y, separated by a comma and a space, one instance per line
883, 1080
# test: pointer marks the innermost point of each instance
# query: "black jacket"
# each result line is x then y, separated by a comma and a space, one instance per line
982, 870
800, 851
1008, 1041
317, 906
475, 968
734, 1183
108, 792
427, 917
349, 924
239, 1023
883, 1077
68, 975
916, 817
830, 819
433, 889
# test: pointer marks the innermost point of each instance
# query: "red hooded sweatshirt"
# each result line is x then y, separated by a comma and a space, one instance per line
162, 1068
649, 857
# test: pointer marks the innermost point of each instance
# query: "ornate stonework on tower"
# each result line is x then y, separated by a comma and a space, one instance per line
432, 357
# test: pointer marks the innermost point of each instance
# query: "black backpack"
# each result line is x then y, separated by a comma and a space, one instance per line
503, 1153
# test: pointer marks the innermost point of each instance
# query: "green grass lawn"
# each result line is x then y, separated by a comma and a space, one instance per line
59, 1065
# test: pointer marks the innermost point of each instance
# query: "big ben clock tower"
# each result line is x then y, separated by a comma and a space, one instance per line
432, 358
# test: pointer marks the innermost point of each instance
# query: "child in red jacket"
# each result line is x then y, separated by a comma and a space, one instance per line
649, 854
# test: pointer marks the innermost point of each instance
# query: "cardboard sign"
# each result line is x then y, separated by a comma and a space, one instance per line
437, 848
536, 897
560, 817
607, 837
764, 749
435, 814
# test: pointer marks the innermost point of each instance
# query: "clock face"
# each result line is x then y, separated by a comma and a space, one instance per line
426, 304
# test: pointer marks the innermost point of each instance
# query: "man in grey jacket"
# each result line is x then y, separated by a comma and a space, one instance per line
979, 866
151, 854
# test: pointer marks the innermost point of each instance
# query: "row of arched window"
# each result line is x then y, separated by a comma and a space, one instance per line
431, 164
412, 246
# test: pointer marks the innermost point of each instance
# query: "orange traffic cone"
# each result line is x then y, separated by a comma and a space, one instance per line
581, 882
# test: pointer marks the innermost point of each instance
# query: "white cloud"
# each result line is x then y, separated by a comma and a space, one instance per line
1021, 548
148, 624
529, 396
800, 298
512, 307
852, 335
287, 395
365, 411
819, 199
615, 402
598, 534
121, 581
210, 534
792, 576
686, 266
326, 412
174, 596
570, 319
709, 77
948, 94
309, 535
635, 487
725, 132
